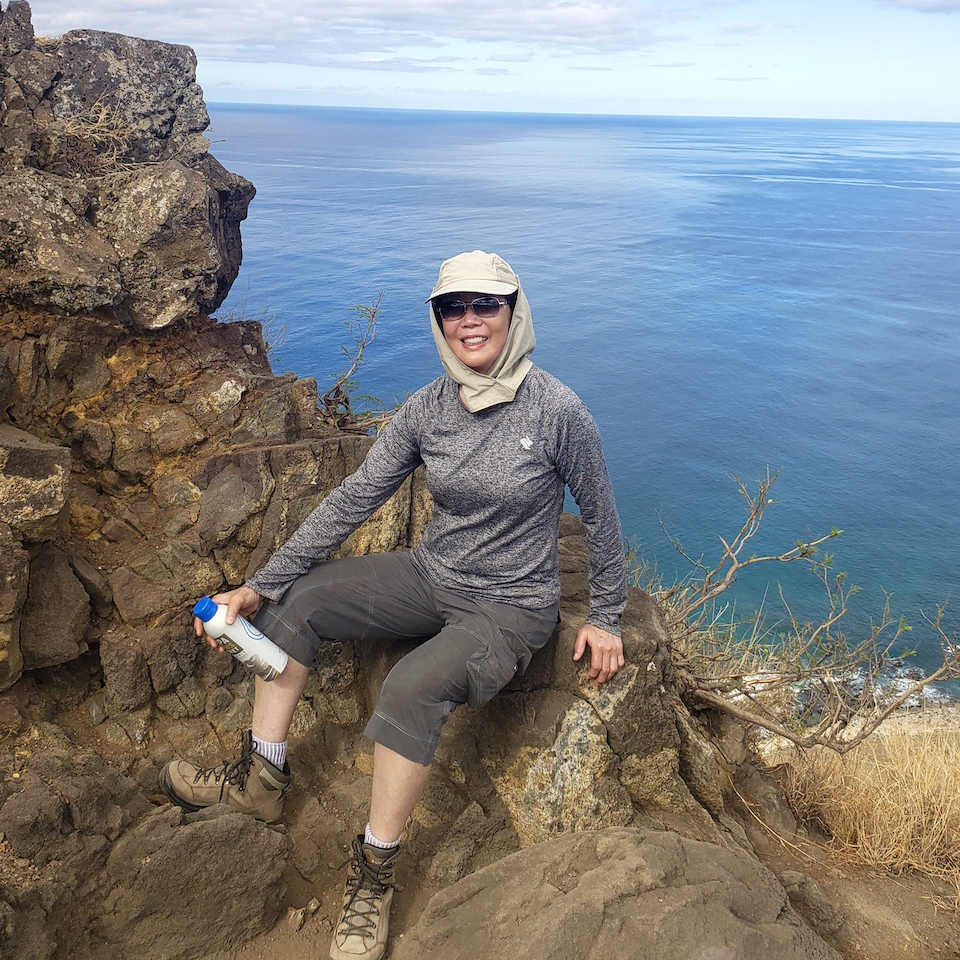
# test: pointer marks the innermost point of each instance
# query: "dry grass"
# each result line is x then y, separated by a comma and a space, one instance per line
891, 804
96, 141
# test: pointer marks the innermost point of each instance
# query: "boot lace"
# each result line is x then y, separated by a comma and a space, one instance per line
230, 771
366, 885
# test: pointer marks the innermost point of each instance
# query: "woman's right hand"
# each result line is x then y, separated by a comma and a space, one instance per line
242, 601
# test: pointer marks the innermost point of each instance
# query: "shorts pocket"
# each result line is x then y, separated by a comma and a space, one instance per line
493, 666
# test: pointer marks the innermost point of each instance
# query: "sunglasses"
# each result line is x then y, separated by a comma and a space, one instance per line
484, 307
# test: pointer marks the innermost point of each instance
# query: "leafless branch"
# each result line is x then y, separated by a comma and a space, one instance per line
805, 682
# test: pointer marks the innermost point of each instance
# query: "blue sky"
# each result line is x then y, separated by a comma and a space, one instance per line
863, 59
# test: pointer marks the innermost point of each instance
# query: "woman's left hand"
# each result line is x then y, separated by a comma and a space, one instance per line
606, 652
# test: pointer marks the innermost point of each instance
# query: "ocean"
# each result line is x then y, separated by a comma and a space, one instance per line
728, 296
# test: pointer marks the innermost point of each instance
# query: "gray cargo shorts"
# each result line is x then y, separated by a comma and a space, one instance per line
473, 648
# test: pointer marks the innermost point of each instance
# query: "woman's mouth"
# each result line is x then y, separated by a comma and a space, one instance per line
473, 341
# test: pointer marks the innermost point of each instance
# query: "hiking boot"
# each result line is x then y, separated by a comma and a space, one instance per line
361, 931
251, 784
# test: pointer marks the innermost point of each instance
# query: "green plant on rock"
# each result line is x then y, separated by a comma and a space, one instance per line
342, 407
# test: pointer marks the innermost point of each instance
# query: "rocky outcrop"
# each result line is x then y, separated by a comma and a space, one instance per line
34, 478
149, 453
88, 867
109, 201
551, 757
645, 894
163, 465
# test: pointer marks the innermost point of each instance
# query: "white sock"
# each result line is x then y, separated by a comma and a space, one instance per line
275, 753
368, 837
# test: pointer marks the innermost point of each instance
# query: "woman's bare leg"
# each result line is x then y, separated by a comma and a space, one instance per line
274, 703
398, 784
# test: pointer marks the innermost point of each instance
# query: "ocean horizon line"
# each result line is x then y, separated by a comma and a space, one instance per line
555, 114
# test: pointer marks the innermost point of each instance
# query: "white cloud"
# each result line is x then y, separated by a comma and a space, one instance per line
831, 59
406, 64
510, 57
259, 29
925, 6
744, 27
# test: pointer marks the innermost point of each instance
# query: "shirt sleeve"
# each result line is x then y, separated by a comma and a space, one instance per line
584, 470
393, 457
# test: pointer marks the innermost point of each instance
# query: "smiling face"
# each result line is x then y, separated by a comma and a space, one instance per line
477, 341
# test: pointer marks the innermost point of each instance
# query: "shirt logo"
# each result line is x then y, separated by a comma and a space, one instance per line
526, 443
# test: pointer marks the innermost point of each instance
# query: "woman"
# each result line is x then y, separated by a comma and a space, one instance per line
500, 440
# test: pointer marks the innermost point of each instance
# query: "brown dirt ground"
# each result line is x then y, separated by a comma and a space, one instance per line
887, 918
906, 917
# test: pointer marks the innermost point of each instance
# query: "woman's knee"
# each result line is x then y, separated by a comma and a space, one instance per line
415, 697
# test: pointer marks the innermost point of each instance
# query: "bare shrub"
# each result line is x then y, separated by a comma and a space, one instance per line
342, 407
808, 682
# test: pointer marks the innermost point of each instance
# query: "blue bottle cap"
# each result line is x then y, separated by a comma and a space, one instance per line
205, 609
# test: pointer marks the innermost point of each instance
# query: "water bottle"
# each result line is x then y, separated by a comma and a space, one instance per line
254, 650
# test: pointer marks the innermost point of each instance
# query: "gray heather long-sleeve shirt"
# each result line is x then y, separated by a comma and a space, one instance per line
497, 478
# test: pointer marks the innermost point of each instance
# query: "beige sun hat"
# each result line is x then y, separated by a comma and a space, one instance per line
475, 272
